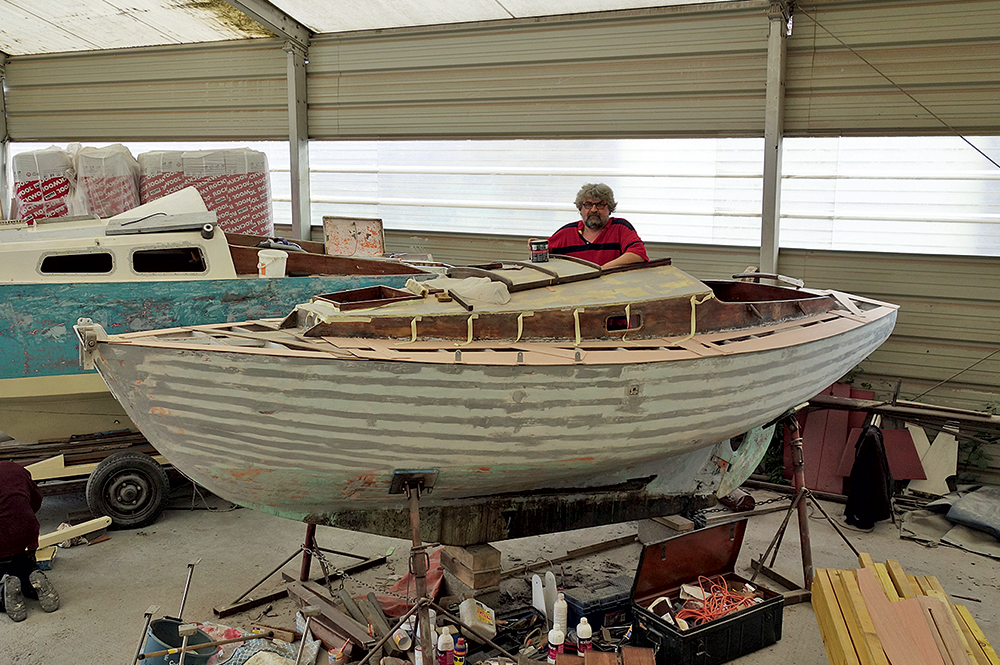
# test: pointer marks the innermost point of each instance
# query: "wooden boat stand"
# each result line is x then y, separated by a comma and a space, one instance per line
799, 503
307, 549
412, 483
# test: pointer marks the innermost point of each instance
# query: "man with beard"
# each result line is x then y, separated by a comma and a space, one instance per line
598, 237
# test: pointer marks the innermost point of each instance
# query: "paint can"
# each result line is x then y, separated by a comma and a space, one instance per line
539, 250
271, 263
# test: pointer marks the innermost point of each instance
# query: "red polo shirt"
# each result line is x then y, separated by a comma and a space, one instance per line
617, 238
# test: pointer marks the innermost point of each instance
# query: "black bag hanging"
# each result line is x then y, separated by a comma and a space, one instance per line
869, 498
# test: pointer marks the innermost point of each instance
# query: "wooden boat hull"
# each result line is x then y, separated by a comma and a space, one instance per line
46, 395
312, 437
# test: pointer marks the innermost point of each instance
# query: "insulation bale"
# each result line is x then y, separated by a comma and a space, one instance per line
233, 183
43, 183
161, 172
107, 180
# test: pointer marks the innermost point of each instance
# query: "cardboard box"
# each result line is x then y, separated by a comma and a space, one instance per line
666, 565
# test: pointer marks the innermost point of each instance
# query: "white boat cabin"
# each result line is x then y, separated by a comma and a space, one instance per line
73, 250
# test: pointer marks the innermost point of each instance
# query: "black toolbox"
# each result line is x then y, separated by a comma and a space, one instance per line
666, 565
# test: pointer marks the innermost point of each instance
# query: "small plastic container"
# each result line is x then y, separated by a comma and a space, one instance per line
479, 617
556, 640
445, 647
560, 613
584, 636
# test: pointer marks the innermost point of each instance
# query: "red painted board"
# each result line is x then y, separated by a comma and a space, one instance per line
899, 450
812, 444
786, 451
856, 419
832, 447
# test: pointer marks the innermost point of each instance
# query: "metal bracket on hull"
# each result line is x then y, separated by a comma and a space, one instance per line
89, 333
406, 480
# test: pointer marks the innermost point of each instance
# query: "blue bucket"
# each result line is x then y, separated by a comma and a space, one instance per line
163, 635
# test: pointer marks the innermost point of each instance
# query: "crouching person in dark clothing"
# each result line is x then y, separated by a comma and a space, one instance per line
19, 573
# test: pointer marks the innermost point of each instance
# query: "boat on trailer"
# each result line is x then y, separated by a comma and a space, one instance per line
134, 272
524, 397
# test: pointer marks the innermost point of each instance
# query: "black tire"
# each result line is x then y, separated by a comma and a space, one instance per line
130, 488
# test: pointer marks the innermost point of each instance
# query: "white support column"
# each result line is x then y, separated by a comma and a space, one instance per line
298, 142
774, 119
297, 47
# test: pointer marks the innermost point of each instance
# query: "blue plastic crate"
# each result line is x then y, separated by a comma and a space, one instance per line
606, 603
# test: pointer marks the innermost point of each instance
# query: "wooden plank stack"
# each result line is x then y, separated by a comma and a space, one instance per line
477, 566
879, 615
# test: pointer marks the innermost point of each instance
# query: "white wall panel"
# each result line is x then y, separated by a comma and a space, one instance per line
893, 67
682, 71
218, 91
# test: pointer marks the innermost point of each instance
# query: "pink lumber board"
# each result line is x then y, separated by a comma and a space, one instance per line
911, 617
899, 647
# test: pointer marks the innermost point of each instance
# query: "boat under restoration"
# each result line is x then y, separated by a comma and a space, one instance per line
524, 397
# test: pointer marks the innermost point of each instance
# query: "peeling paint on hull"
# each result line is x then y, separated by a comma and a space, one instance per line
318, 440
37, 340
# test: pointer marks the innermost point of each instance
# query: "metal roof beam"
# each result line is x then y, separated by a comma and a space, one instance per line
275, 20
774, 124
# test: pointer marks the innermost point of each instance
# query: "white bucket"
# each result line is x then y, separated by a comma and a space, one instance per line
271, 263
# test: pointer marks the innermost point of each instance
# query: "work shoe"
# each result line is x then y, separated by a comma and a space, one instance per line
13, 599
47, 596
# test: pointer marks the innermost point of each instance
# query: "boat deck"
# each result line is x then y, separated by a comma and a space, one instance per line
265, 338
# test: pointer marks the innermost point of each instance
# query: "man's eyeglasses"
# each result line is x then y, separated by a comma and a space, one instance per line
600, 205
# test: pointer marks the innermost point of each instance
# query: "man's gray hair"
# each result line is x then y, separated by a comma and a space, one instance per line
596, 192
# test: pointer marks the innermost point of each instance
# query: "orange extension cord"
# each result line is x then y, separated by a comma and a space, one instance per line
719, 601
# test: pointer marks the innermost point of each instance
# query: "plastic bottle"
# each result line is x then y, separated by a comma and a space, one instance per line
559, 612
584, 636
556, 639
461, 648
446, 647
417, 651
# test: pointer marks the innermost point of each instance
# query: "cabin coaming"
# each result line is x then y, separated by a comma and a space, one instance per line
652, 302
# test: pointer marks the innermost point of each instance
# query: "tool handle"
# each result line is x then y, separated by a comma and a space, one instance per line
195, 647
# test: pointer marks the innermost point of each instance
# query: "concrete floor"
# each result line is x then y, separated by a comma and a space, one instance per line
106, 587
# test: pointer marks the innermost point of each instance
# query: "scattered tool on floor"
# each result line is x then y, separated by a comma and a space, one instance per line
187, 586
186, 630
308, 612
153, 609
85, 529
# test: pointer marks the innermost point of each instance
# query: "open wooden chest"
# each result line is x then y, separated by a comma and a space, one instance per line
705, 553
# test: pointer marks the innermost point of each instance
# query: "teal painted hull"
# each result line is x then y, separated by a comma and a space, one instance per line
36, 320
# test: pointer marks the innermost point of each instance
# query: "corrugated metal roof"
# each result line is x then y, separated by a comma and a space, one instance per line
53, 26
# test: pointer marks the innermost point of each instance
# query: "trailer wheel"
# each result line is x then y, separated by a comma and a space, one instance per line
130, 488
